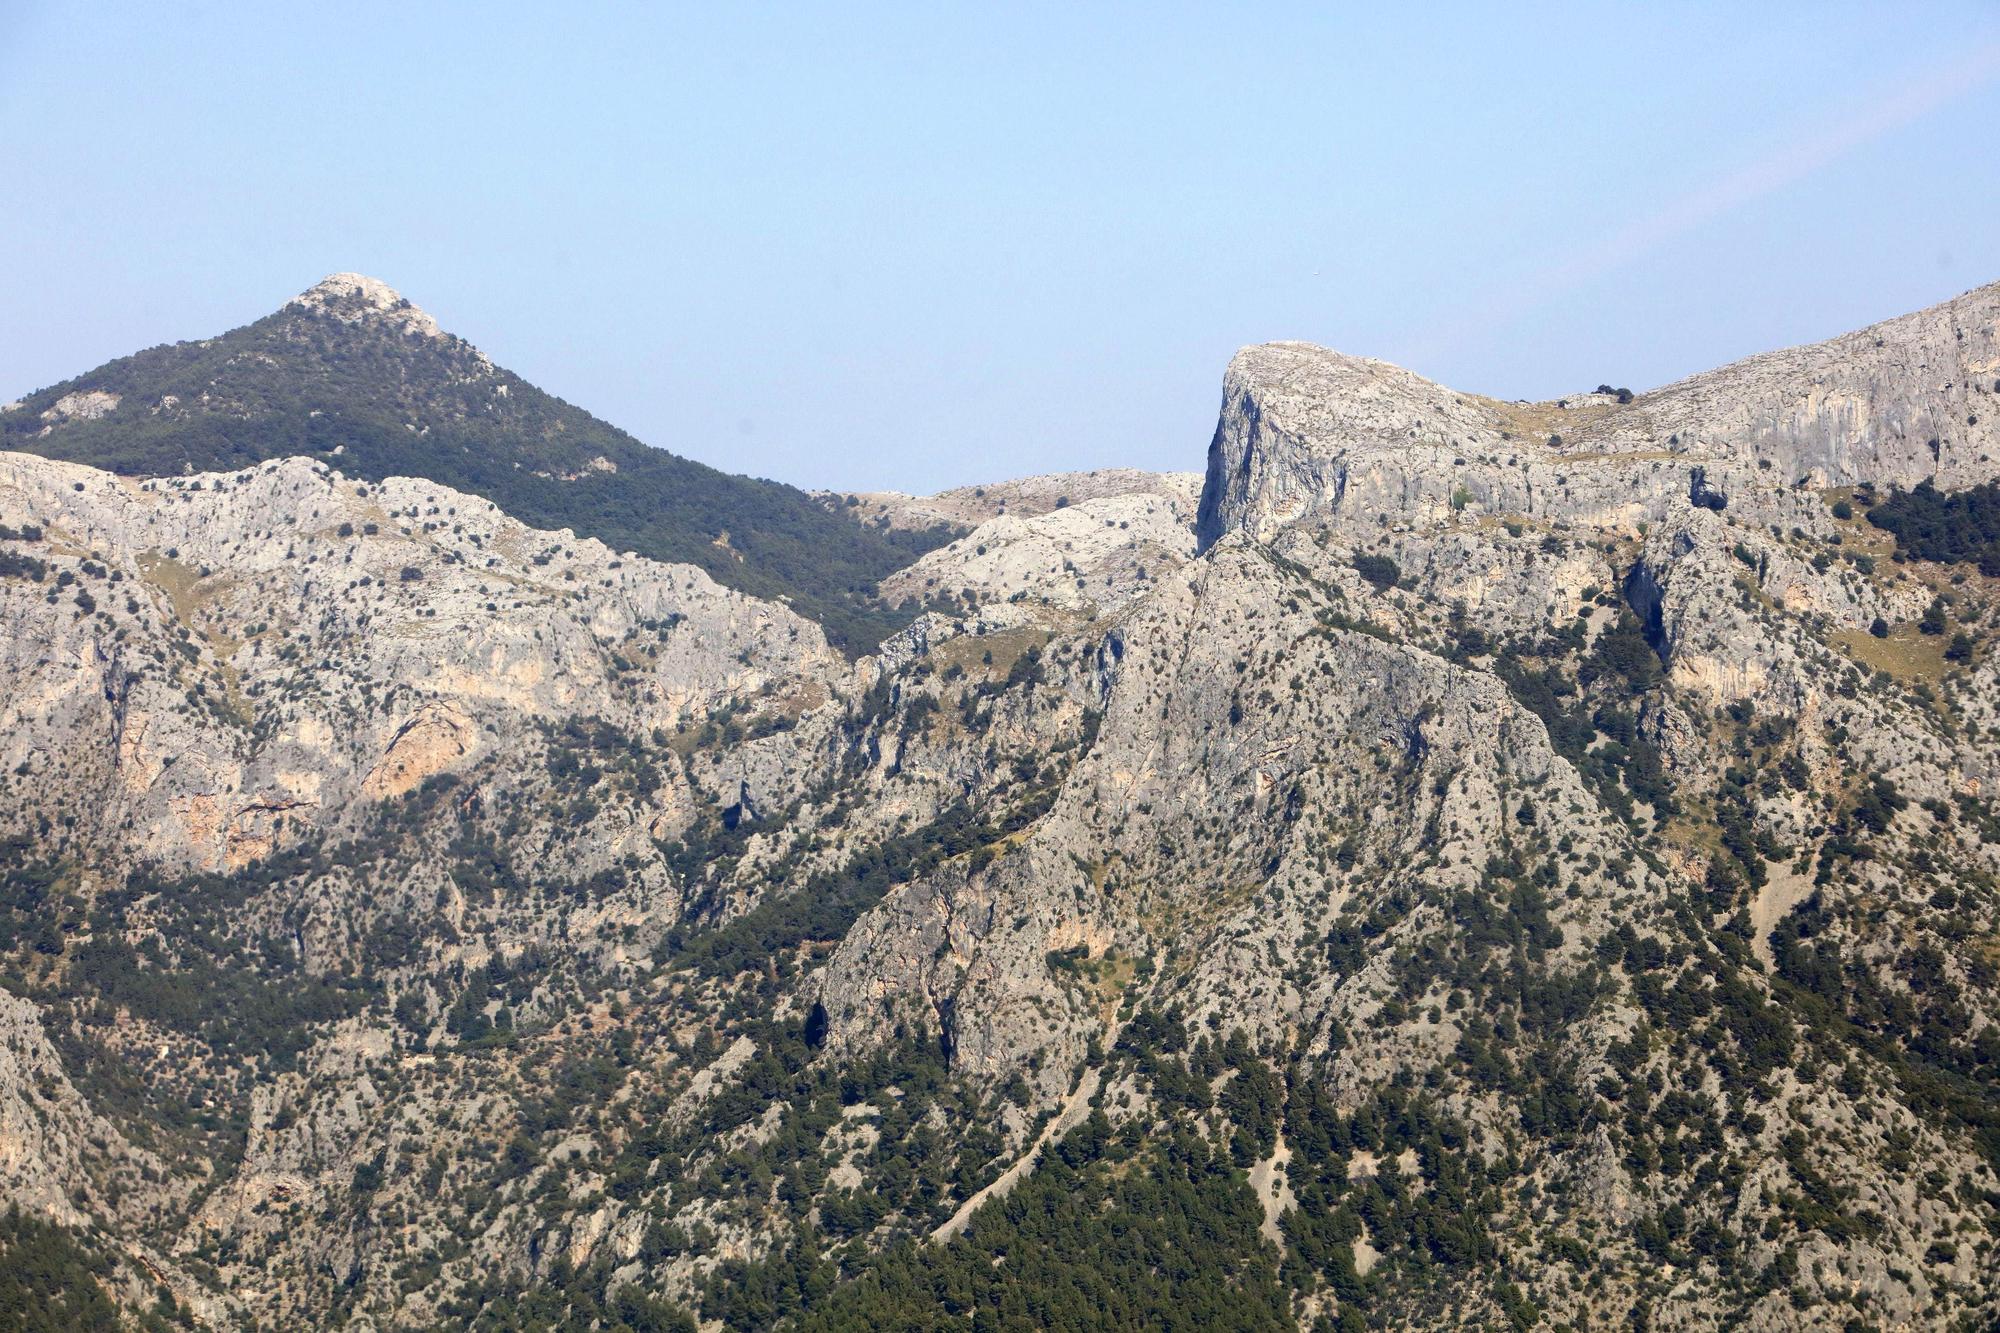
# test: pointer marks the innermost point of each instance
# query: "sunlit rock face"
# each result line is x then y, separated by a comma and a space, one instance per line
1309, 432
1516, 849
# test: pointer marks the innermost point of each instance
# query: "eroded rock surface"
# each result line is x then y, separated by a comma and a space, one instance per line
1558, 871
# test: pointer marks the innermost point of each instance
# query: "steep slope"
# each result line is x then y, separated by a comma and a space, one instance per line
1495, 883
350, 370
1606, 818
286, 750
211, 666
1305, 431
1080, 557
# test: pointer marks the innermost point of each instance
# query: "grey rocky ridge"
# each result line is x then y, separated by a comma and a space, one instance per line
1457, 863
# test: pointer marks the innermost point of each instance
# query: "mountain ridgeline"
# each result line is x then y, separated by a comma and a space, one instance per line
350, 371
1461, 864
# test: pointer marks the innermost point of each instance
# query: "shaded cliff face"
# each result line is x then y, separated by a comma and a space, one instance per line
1309, 432
1492, 880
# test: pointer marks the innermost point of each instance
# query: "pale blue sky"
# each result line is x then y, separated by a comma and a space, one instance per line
916, 245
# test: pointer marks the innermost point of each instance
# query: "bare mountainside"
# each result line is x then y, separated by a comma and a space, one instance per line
1478, 865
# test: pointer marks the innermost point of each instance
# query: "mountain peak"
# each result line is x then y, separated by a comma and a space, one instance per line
354, 297
1308, 431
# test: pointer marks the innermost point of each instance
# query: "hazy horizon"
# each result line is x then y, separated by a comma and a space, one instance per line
907, 249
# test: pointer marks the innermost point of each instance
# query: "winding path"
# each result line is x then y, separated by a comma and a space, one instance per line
1071, 1115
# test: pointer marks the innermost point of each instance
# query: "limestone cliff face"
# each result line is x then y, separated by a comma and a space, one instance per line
1301, 425
219, 664
1284, 758
1894, 404
1306, 432
1086, 556
1576, 795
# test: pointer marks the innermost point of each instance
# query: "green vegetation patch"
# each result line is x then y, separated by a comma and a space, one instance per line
1950, 527
377, 404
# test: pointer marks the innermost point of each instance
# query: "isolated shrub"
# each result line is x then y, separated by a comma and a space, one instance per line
1379, 571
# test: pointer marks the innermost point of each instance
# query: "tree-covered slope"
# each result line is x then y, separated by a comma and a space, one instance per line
1947, 526
352, 373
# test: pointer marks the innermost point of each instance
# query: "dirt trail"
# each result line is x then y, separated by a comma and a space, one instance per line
1071, 1115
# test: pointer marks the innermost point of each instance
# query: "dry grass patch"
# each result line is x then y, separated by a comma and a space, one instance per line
1905, 654
972, 652
1533, 423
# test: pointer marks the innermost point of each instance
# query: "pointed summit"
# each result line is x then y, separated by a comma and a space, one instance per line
354, 297
351, 373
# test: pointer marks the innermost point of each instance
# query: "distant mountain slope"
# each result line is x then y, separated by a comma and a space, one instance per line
1021, 497
1307, 432
1537, 866
353, 373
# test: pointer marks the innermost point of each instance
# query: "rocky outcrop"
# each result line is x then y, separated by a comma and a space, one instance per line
46, 1128
1022, 497
1086, 556
1306, 432
353, 297
1301, 424
223, 663
1546, 846
87, 405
